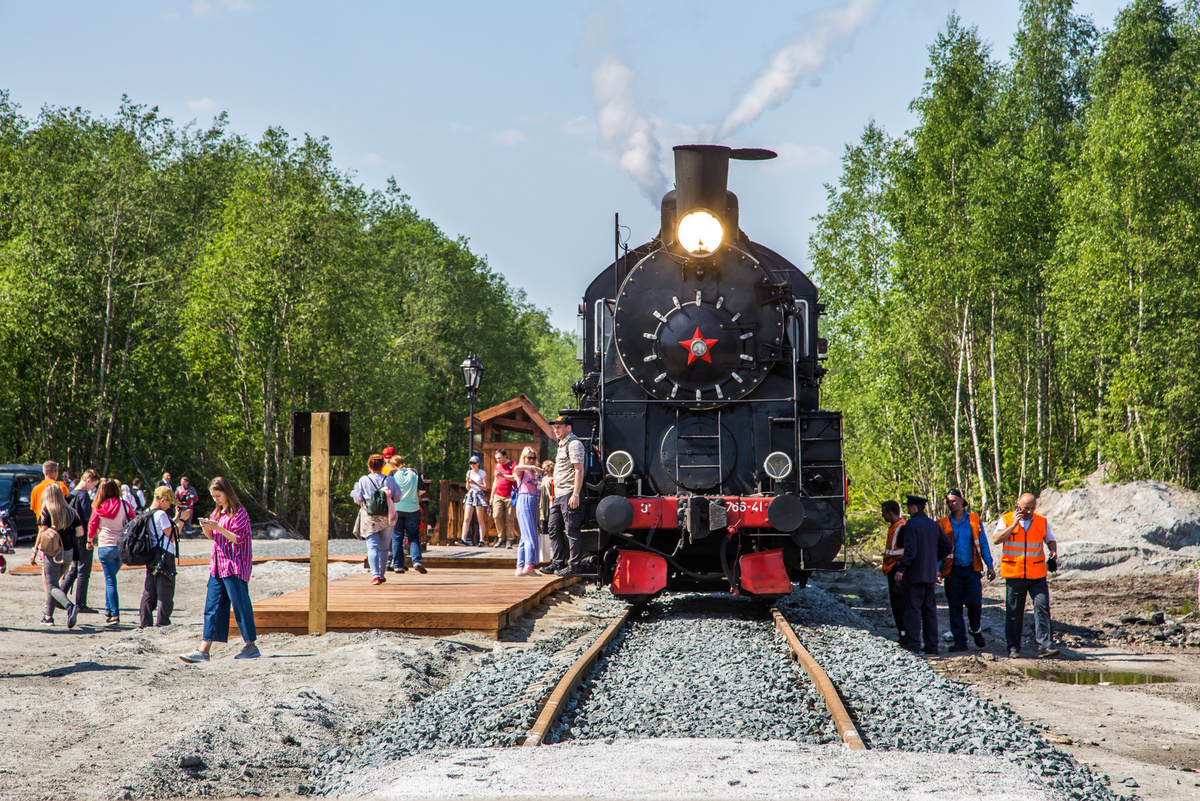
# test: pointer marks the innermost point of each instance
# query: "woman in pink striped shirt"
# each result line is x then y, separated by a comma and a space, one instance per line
229, 576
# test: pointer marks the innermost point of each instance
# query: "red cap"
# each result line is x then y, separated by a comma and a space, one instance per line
389, 452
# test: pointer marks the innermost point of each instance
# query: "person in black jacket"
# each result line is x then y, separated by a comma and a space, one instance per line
80, 571
925, 546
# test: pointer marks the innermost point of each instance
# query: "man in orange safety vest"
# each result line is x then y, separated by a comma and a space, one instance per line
893, 550
1021, 534
963, 570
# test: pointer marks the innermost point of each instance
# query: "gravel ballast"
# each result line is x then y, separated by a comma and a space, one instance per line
696, 666
494, 705
903, 704
751, 720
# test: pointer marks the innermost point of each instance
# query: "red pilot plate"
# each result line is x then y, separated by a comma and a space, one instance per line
639, 573
764, 573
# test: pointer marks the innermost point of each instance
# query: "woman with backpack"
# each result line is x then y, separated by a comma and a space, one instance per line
110, 514
158, 593
58, 529
376, 495
229, 574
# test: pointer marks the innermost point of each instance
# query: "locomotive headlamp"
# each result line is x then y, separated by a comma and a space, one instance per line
619, 464
778, 465
700, 233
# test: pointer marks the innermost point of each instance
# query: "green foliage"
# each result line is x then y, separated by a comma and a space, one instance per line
1012, 284
170, 297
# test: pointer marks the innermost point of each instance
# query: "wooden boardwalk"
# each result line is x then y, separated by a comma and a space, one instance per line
439, 602
434, 557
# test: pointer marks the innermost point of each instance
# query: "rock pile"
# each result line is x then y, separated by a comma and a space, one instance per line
1161, 627
1107, 530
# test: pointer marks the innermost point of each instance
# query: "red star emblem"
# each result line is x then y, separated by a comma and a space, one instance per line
697, 347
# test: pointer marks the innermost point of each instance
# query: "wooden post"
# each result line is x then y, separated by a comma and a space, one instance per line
318, 525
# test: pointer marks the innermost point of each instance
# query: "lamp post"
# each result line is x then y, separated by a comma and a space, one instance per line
472, 370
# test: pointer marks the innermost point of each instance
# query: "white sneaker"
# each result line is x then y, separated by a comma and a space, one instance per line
194, 656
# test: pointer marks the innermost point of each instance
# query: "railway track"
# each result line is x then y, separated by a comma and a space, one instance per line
701, 668
747, 637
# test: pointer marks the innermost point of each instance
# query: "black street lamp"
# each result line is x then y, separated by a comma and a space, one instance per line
472, 371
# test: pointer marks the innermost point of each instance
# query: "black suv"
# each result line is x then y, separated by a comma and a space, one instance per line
16, 483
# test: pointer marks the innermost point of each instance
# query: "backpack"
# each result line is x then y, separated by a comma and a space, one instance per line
159, 564
377, 503
137, 541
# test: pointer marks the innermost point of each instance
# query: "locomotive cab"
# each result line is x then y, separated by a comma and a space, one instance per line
714, 467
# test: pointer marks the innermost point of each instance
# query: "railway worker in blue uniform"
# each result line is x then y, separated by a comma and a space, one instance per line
963, 569
925, 547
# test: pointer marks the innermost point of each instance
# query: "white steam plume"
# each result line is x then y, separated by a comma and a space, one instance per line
801, 58
624, 125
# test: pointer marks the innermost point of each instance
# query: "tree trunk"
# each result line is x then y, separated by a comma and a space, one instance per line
1041, 400
983, 494
962, 352
1024, 425
268, 425
995, 399
98, 423
116, 404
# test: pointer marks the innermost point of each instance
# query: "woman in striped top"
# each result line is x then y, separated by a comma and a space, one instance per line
229, 576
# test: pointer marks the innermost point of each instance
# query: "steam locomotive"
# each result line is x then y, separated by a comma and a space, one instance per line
712, 465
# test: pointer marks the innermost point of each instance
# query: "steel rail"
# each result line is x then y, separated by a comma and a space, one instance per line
572, 679
841, 718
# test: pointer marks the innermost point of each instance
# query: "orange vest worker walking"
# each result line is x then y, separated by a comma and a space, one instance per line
1022, 534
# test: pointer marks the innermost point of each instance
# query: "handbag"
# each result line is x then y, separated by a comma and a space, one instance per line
49, 542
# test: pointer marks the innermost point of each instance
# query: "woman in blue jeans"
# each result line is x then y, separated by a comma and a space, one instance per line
229, 574
528, 484
105, 529
376, 530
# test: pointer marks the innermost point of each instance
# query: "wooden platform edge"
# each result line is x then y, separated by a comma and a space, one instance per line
503, 618
438, 562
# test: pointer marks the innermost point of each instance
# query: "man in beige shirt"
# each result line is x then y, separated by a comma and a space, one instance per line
566, 510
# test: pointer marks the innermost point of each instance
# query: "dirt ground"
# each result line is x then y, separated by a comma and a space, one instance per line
83, 711
1149, 733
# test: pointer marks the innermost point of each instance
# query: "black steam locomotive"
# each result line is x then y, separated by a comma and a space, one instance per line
713, 465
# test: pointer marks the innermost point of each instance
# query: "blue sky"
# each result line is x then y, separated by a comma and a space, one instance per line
522, 126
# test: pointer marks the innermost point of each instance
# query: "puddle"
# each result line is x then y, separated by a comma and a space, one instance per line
1103, 679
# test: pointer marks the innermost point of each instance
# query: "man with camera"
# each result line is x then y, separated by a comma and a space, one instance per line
1021, 534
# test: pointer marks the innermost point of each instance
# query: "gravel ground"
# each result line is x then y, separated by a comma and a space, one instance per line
902, 703
930, 735
698, 666
492, 706
199, 547
673, 769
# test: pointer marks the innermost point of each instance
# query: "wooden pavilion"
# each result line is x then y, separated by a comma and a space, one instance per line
518, 416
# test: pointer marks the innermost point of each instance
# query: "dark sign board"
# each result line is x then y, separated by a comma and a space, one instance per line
339, 434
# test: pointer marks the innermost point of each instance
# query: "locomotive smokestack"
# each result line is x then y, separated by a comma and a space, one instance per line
701, 183
701, 177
